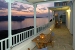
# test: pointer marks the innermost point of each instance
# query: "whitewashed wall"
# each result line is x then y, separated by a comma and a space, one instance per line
68, 20
71, 19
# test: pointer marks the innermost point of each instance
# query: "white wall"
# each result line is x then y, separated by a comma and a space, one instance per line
29, 44
71, 20
74, 25
68, 19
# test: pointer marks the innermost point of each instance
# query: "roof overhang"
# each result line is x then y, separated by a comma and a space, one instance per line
59, 8
39, 1
36, 1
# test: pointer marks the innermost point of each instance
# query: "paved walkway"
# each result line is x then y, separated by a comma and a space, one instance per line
63, 39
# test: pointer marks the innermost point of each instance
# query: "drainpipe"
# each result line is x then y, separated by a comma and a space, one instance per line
9, 25
35, 18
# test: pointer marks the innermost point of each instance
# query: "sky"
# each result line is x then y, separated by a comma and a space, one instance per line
20, 9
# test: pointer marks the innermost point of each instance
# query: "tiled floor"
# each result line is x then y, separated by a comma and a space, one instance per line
63, 39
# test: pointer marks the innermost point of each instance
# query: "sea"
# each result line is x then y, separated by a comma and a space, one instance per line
27, 22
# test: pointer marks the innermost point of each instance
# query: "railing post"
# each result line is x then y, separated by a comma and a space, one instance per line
48, 14
34, 18
9, 24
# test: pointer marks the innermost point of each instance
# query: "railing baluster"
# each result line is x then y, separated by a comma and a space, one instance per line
27, 34
19, 37
2, 45
16, 39
5, 44
38, 29
33, 31
13, 40
23, 35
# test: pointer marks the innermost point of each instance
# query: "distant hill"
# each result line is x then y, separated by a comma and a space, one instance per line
15, 18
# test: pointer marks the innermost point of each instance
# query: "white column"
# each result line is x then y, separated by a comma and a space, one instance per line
9, 24
74, 25
35, 18
48, 14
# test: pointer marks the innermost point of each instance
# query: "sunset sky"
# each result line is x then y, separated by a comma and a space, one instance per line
20, 9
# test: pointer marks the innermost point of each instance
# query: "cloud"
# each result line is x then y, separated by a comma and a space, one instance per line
25, 10
22, 7
43, 8
19, 8
30, 10
14, 3
2, 12
3, 5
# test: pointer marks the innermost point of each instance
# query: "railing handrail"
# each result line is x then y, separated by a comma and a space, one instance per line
4, 39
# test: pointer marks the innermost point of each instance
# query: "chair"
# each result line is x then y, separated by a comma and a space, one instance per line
52, 39
28, 48
44, 48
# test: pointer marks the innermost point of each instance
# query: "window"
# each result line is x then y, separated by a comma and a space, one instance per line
57, 4
64, 4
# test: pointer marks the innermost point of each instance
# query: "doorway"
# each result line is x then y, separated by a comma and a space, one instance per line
64, 19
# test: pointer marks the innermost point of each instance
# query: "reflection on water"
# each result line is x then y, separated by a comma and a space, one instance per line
26, 23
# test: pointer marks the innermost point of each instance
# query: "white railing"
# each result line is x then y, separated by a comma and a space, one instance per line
22, 36
4, 44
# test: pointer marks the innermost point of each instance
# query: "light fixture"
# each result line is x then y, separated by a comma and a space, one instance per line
42, 36
57, 21
51, 11
68, 10
50, 29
